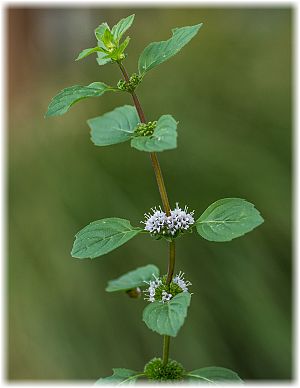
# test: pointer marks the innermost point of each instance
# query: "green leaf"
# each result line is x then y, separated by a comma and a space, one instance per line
122, 26
108, 38
163, 138
114, 127
84, 53
120, 376
133, 279
99, 31
102, 58
167, 318
122, 47
102, 236
227, 219
62, 102
212, 374
158, 52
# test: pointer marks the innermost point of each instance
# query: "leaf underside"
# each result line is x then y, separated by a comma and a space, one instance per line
102, 236
133, 279
167, 318
227, 219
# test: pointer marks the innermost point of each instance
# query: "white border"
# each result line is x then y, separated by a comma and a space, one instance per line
3, 157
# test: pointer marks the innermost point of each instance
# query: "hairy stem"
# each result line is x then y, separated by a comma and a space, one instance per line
165, 201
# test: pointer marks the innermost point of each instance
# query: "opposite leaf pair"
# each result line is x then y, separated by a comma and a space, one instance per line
222, 221
163, 318
211, 375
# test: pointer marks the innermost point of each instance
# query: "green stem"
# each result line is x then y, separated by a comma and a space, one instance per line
165, 201
166, 349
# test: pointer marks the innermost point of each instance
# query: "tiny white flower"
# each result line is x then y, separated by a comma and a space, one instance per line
165, 296
179, 279
159, 223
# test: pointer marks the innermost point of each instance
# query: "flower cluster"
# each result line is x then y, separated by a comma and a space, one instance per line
131, 85
158, 289
161, 225
145, 129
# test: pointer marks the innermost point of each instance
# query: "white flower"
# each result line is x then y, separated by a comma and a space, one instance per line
179, 219
153, 284
155, 223
159, 223
159, 291
165, 296
179, 279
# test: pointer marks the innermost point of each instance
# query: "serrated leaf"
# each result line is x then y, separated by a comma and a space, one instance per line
163, 138
167, 318
114, 127
120, 376
84, 53
227, 219
133, 279
102, 236
158, 52
212, 375
122, 26
62, 102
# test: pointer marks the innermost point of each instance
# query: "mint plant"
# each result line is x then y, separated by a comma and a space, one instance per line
168, 295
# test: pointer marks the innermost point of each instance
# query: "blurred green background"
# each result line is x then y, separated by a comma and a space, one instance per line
230, 90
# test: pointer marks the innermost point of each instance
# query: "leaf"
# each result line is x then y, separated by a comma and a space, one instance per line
163, 138
158, 52
120, 376
99, 31
133, 279
122, 47
167, 318
122, 26
62, 102
114, 127
102, 236
102, 58
213, 374
84, 53
227, 219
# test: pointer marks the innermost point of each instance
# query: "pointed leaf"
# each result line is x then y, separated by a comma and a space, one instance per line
163, 138
212, 375
227, 219
158, 52
120, 376
62, 102
122, 26
114, 127
102, 58
133, 279
101, 237
167, 318
84, 53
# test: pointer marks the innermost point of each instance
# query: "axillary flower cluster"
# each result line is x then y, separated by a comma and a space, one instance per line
158, 289
161, 225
